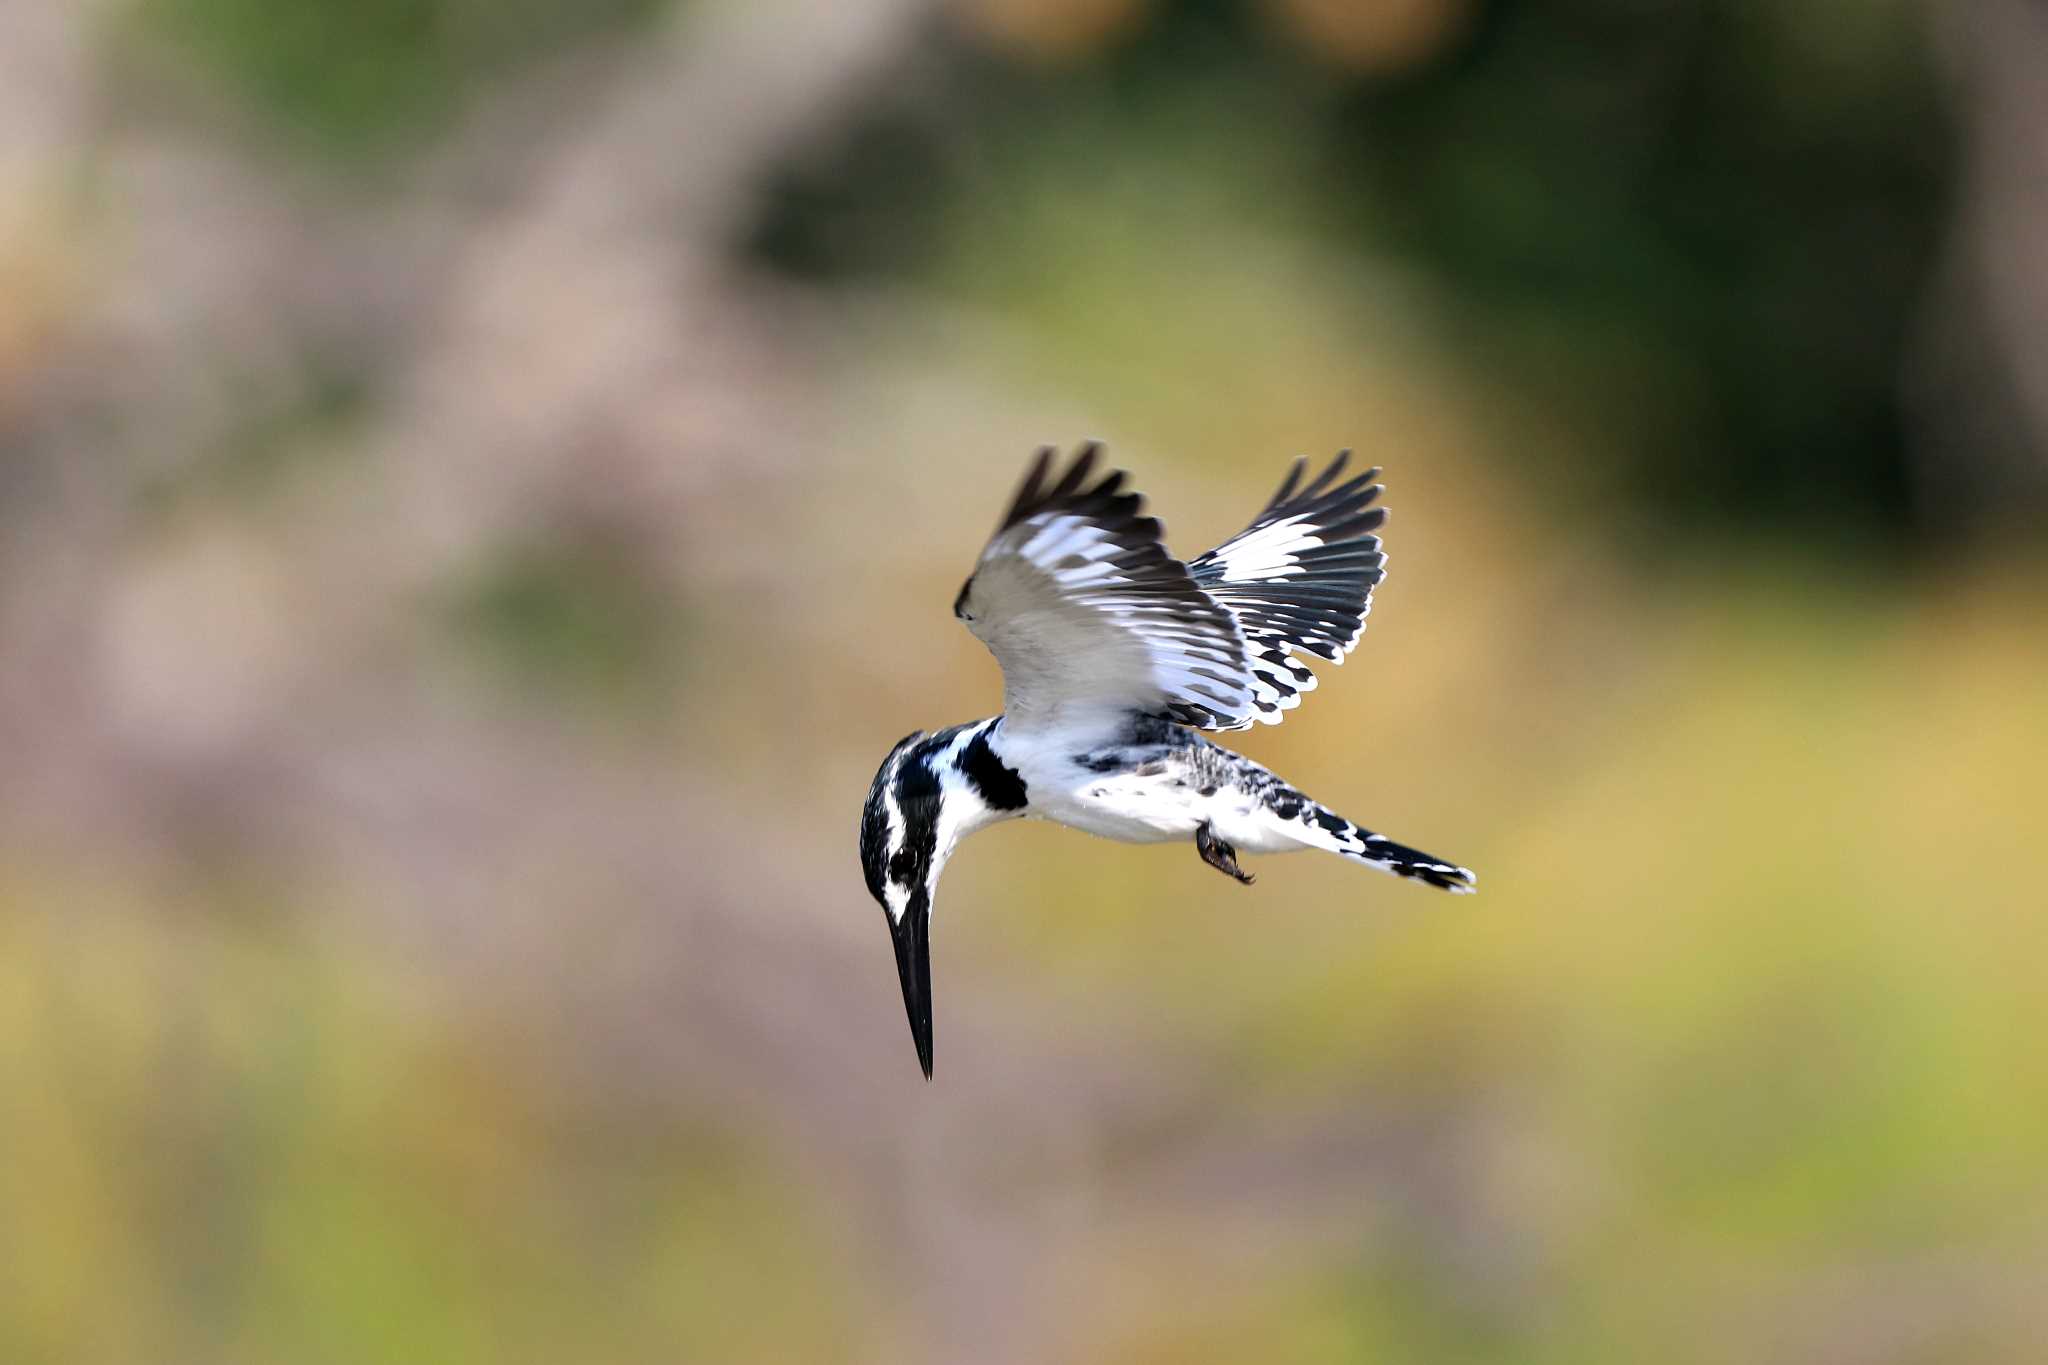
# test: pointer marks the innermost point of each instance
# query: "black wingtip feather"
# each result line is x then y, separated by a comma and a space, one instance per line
1329, 474
1039, 490
1106, 500
1077, 473
1355, 528
1287, 484
1027, 492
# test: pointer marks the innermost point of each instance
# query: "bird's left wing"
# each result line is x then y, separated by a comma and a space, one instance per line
1084, 609
1300, 579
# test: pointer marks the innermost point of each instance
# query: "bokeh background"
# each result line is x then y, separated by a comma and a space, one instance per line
481, 486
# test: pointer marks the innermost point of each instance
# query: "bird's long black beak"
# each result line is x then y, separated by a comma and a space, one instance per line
913, 936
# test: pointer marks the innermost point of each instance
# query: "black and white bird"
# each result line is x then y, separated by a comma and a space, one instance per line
1114, 656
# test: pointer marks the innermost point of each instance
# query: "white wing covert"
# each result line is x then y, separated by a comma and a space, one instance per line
1299, 580
1084, 609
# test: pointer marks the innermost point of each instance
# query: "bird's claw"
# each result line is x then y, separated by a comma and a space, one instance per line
1218, 854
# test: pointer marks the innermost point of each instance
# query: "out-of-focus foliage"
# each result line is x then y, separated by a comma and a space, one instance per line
1646, 216
572, 619
447, 625
370, 75
279, 1152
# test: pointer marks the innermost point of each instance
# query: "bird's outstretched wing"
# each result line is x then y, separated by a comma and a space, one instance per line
1084, 609
1299, 580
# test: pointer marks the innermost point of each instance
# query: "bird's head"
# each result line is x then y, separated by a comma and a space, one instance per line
905, 839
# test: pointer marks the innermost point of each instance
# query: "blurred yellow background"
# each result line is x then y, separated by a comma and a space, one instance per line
481, 488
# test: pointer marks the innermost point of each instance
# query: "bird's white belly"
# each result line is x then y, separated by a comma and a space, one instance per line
1131, 809
1149, 810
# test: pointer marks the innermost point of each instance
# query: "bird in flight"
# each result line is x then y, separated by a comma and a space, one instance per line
1115, 656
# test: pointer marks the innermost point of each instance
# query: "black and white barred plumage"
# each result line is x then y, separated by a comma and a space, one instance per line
1114, 655
1299, 580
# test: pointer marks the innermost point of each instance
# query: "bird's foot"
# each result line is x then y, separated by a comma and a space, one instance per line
1218, 854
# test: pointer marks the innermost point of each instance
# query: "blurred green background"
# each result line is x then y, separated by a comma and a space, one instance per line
481, 487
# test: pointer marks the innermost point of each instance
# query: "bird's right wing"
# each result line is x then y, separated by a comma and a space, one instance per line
1084, 609
1299, 580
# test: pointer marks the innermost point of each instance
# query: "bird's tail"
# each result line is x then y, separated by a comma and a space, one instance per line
1377, 850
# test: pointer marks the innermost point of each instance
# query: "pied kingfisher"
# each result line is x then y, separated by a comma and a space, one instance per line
1114, 655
